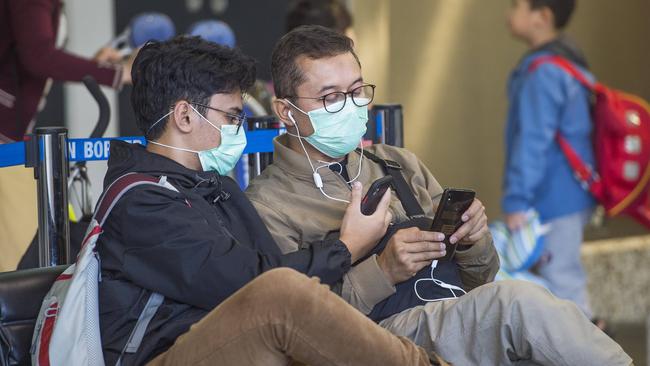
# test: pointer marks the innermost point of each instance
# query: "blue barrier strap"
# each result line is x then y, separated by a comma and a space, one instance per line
259, 141
12, 154
379, 126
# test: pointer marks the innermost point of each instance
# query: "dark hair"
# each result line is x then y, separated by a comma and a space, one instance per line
561, 9
313, 41
328, 13
186, 68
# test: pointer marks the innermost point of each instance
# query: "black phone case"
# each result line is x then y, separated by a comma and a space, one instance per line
375, 193
453, 203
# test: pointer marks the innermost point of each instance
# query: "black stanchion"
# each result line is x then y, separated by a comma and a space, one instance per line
46, 152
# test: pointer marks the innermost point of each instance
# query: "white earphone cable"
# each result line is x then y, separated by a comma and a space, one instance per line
442, 284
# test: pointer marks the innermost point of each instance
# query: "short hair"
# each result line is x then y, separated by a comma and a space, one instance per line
561, 9
184, 68
312, 41
328, 13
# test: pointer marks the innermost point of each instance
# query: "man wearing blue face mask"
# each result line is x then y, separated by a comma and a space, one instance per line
322, 98
189, 272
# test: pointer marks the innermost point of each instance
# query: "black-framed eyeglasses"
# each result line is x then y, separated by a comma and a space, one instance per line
235, 119
335, 101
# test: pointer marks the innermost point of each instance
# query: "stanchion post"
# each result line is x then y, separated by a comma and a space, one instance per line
49, 157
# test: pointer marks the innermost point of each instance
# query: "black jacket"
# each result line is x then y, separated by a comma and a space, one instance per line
195, 247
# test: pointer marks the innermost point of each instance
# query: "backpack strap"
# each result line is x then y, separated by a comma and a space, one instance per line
404, 192
109, 199
565, 65
122, 185
584, 173
137, 334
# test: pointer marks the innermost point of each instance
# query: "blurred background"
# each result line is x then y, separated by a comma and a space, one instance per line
447, 62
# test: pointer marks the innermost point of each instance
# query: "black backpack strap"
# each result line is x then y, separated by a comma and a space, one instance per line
404, 192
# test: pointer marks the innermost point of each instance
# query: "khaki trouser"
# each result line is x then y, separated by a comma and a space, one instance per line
283, 317
507, 323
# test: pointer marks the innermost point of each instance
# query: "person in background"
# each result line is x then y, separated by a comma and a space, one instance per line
331, 14
32, 34
543, 103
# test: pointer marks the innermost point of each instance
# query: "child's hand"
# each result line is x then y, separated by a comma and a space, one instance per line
515, 220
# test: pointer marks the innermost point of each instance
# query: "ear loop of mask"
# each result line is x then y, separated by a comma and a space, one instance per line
174, 147
438, 282
164, 145
158, 121
318, 180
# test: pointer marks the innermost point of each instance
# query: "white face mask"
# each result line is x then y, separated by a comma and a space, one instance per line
223, 158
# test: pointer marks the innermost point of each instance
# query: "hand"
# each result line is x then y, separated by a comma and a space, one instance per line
108, 55
474, 227
515, 220
359, 232
408, 251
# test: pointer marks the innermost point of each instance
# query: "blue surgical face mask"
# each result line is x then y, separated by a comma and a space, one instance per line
337, 134
223, 158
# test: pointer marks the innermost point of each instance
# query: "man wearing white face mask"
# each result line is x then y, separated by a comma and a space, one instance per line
195, 240
322, 99
223, 157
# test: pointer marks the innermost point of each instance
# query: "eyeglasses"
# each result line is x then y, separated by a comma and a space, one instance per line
335, 101
235, 119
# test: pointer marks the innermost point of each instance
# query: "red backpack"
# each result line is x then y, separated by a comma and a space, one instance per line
621, 144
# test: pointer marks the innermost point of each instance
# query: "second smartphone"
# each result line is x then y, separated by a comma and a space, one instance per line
453, 204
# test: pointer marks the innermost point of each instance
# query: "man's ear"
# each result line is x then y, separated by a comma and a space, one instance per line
282, 109
182, 114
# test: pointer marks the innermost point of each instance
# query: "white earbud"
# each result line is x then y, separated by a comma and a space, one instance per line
318, 180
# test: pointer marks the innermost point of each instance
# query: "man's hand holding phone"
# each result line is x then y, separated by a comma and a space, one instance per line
475, 225
408, 251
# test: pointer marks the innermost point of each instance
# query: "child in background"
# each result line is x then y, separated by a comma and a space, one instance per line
543, 103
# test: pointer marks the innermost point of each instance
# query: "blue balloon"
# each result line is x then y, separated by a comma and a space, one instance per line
214, 31
150, 26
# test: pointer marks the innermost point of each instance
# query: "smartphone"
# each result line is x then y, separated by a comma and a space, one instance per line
375, 193
448, 219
